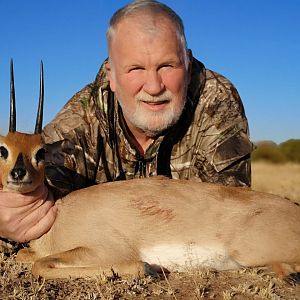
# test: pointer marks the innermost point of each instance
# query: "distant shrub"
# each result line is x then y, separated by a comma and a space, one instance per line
291, 150
268, 151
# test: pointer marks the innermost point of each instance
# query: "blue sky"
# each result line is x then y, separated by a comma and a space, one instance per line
256, 44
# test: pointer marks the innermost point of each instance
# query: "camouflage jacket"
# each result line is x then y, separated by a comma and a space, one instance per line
88, 142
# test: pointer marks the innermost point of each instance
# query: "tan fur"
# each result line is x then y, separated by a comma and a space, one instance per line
27, 144
174, 222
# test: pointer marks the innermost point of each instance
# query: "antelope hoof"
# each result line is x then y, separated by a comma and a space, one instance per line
155, 271
293, 278
151, 271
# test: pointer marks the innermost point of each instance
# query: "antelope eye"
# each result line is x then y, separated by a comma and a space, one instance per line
3, 152
40, 155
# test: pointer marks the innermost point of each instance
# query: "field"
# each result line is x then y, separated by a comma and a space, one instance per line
281, 179
16, 281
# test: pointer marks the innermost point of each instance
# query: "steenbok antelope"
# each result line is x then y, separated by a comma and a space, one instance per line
146, 224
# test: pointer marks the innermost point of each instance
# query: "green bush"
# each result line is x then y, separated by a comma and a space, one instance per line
288, 151
291, 150
268, 151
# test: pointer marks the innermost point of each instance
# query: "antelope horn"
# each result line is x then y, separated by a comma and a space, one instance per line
39, 117
12, 114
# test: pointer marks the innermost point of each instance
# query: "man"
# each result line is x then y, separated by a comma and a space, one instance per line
152, 110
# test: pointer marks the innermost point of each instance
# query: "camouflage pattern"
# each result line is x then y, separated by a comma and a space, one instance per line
88, 141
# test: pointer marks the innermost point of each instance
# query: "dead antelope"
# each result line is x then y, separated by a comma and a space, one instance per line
145, 224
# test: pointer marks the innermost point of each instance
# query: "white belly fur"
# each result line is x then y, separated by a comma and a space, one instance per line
182, 256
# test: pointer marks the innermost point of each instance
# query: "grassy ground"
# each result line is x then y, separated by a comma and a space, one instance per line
16, 281
283, 180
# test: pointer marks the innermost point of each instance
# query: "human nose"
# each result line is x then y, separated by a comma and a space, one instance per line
153, 84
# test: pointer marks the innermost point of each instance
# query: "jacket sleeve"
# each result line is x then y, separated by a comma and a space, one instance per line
224, 148
71, 141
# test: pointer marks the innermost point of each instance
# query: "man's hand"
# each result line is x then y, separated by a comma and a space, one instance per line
24, 217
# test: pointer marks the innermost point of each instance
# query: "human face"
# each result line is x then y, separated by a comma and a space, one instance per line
148, 72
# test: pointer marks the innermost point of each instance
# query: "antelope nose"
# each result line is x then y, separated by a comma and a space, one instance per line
18, 173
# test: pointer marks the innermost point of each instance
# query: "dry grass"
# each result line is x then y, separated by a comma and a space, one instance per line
279, 179
16, 281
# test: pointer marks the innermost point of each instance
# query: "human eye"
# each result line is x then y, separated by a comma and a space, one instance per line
135, 68
167, 66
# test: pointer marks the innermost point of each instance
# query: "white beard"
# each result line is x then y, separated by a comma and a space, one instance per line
153, 123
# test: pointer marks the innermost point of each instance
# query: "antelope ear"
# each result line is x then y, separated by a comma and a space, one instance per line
1, 186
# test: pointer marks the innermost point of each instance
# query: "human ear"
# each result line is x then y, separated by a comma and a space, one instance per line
190, 55
110, 75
